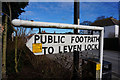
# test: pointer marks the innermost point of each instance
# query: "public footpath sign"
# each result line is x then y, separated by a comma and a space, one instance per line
41, 44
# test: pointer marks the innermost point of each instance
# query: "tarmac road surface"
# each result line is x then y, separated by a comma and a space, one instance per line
114, 58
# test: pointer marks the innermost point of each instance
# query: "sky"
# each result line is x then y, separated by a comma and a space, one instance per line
74, 0
63, 12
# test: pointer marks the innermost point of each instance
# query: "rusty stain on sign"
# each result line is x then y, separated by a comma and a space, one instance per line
37, 47
98, 67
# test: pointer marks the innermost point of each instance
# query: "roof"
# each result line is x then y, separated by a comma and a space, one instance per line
105, 22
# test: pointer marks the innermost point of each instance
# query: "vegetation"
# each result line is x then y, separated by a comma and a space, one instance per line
86, 23
35, 67
10, 10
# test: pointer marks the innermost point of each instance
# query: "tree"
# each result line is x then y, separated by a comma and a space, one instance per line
101, 17
86, 23
4, 49
10, 10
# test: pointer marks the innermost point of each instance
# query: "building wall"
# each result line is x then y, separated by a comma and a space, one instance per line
116, 31
111, 31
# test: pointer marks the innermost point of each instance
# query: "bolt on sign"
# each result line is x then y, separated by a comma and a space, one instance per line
41, 44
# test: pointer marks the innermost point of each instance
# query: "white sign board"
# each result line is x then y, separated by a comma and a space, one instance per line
37, 47
41, 44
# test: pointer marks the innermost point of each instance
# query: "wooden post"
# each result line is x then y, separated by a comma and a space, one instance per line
16, 63
4, 49
76, 53
76, 15
75, 65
